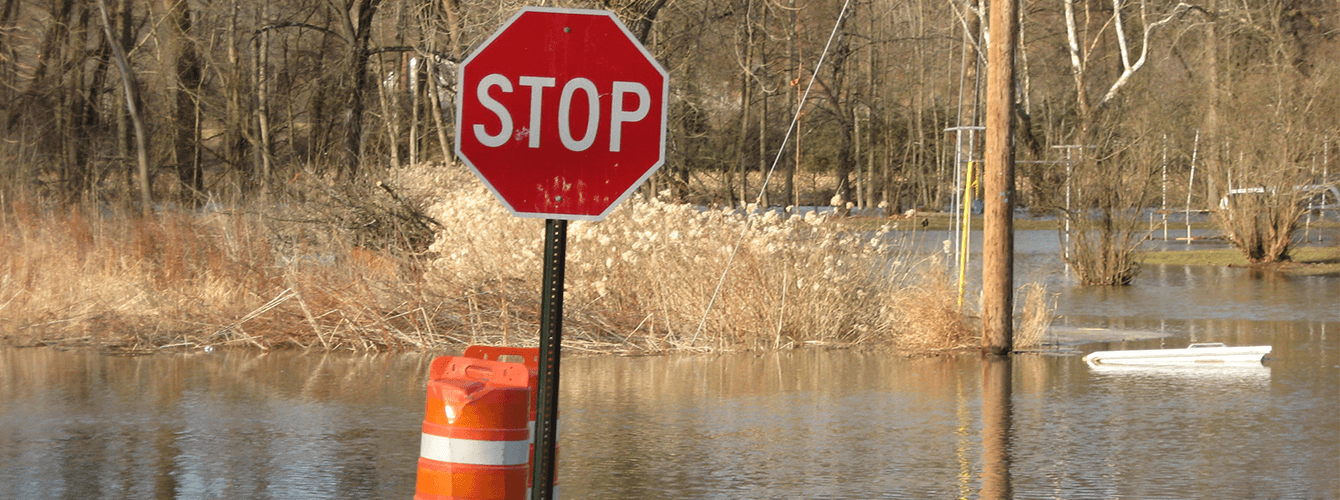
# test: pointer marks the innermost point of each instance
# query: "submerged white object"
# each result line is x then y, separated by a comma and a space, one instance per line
1213, 352
1213, 372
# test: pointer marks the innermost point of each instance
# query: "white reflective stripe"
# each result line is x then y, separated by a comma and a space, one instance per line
553, 492
474, 452
530, 426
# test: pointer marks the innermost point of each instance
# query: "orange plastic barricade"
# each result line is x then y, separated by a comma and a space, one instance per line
476, 444
530, 357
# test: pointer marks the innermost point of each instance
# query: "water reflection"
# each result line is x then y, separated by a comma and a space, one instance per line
798, 424
802, 424
811, 424
865, 425
1216, 374
997, 418
225, 425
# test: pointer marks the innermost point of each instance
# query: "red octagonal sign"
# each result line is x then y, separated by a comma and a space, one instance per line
561, 113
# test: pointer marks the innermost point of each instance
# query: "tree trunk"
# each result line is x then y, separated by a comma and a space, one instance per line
436, 102
794, 104
1210, 123
127, 84
184, 93
842, 174
861, 181
80, 102
236, 116
262, 61
763, 77
125, 132
842, 109
390, 115
415, 107
741, 160
872, 179
358, 35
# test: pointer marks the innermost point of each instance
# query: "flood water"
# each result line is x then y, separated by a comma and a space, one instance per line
797, 424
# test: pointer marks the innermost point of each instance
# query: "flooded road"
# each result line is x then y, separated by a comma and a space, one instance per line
859, 425
230, 424
799, 424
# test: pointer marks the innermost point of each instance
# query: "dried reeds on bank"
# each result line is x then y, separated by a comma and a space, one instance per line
346, 274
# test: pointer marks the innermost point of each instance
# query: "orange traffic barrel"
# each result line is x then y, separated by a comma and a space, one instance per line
476, 440
531, 358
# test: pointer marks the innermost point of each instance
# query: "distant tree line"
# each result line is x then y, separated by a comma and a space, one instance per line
151, 101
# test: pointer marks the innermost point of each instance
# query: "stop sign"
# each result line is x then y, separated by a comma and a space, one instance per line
561, 113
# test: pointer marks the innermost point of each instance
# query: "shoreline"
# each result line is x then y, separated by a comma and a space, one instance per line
1073, 336
1308, 260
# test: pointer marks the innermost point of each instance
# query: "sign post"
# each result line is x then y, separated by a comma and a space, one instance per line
561, 113
545, 466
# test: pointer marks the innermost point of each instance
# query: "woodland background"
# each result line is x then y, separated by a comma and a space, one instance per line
233, 99
188, 173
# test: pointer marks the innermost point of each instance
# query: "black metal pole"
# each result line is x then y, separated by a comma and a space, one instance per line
551, 341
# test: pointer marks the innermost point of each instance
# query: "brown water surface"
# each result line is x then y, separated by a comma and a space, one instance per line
802, 424
795, 424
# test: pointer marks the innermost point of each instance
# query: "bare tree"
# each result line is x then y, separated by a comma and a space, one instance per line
355, 21
1103, 224
839, 104
184, 75
1273, 128
237, 95
132, 98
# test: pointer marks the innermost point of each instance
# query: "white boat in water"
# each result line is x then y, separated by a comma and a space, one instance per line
1213, 352
1211, 372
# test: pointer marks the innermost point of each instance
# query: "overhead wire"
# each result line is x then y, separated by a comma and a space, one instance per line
763, 189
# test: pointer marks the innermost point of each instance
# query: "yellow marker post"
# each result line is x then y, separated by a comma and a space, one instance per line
965, 238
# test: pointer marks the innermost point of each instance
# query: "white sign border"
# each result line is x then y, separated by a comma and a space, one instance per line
665, 106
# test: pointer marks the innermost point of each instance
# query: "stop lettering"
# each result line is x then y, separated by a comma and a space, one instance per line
561, 113
537, 84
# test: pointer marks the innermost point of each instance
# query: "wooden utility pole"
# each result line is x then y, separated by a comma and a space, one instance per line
998, 195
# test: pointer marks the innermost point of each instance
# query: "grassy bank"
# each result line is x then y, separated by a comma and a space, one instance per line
1310, 260
937, 221
339, 273
942, 221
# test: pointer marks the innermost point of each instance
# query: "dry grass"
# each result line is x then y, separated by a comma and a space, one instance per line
1038, 313
638, 282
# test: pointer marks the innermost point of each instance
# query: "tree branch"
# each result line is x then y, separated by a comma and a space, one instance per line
1129, 69
275, 26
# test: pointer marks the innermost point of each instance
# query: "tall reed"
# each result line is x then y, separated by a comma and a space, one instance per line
1038, 312
640, 281
644, 278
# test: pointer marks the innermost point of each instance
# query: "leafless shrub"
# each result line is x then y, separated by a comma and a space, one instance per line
1269, 183
1111, 189
1261, 224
